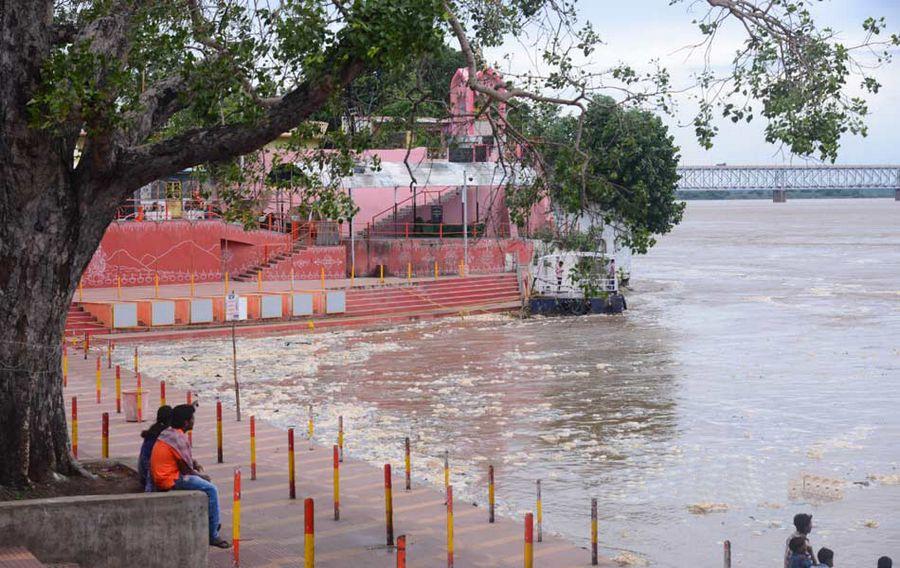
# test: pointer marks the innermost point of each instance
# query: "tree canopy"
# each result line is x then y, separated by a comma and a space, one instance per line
99, 97
623, 172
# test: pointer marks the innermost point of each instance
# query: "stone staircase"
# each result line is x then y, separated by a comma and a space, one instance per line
249, 275
79, 322
455, 294
386, 226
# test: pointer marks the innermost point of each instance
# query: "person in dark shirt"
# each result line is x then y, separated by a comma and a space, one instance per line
800, 556
885, 562
163, 416
826, 558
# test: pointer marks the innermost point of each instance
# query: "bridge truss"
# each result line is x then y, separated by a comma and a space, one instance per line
806, 178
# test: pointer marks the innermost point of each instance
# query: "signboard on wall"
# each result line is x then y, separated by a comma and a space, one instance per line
437, 213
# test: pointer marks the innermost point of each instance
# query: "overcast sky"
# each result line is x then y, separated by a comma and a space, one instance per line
636, 31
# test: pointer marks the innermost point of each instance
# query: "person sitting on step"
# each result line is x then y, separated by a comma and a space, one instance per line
163, 415
173, 467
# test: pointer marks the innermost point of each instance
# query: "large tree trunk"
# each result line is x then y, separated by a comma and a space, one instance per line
45, 244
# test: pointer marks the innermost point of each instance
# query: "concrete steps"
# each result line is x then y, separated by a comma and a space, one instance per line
79, 322
274, 260
20, 557
426, 296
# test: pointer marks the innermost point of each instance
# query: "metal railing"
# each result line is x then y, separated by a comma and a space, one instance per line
436, 231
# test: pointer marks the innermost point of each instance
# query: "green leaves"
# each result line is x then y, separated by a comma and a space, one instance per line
623, 174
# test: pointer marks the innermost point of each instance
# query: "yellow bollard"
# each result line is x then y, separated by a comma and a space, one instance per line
311, 325
490, 493
118, 287
381, 273
337, 483
292, 481
259, 281
156, 284
140, 399
309, 428
446, 469
322, 273
539, 513
80, 291
352, 274
65, 366
435, 270
449, 527
292, 279
408, 271
192, 284
99, 384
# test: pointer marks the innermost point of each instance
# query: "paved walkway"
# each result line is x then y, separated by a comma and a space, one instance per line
272, 524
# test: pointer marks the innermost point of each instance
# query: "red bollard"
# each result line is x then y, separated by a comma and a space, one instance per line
104, 436
252, 448
594, 532
236, 518
140, 399
75, 426
162, 393
118, 390
291, 481
529, 540
401, 551
219, 455
388, 506
309, 530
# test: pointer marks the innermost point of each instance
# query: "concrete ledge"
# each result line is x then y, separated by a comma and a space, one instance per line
139, 529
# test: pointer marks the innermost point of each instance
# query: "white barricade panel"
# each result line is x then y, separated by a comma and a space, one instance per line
201, 310
302, 305
162, 312
336, 302
270, 307
125, 315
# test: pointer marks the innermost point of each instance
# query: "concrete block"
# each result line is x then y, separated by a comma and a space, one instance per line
104, 531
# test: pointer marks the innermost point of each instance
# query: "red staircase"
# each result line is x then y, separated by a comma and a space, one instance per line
451, 294
79, 322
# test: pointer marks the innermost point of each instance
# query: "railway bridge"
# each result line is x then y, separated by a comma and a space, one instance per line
781, 179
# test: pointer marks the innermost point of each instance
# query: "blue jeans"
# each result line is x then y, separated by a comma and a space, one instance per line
193, 482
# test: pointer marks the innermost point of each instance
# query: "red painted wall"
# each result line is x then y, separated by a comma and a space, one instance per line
135, 251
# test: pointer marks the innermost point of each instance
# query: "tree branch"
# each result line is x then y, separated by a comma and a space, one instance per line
139, 165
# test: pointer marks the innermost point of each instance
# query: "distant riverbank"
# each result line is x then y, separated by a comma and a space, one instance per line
799, 194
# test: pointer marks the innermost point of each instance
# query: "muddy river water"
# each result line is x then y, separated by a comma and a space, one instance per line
756, 375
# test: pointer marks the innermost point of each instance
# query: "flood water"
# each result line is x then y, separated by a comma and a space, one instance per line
755, 376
